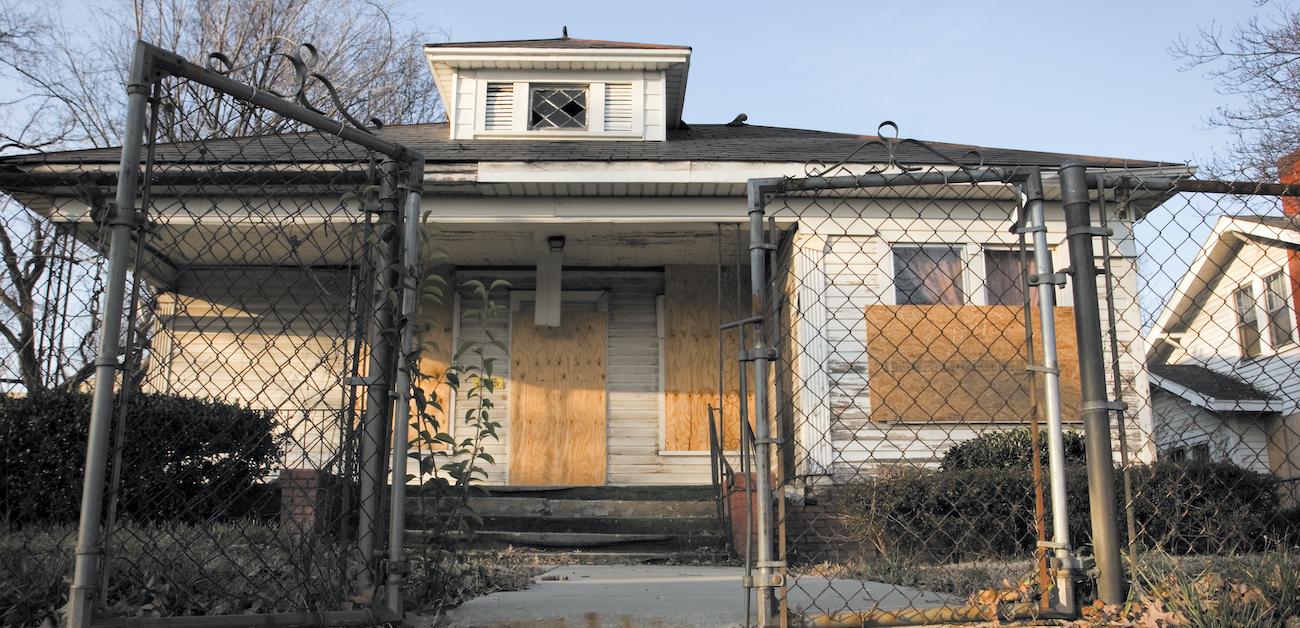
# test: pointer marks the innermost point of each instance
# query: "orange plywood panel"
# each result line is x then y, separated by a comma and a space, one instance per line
557, 398
959, 363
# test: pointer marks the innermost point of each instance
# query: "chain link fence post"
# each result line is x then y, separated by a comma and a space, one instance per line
761, 355
122, 220
1095, 406
397, 567
1045, 282
379, 375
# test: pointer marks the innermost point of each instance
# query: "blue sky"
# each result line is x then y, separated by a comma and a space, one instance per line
1080, 77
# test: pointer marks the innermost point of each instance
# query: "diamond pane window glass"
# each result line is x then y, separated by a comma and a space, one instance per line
558, 108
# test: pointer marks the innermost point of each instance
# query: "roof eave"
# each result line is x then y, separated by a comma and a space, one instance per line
1215, 404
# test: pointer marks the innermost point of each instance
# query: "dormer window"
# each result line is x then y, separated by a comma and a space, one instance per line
560, 89
558, 107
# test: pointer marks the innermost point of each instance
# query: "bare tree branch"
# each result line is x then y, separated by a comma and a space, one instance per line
1258, 63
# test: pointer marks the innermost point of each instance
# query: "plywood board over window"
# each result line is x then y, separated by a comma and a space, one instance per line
960, 363
691, 314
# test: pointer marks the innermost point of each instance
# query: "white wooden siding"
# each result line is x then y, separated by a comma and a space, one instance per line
1238, 438
273, 339
858, 271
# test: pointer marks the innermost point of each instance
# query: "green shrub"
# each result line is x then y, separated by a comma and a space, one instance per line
971, 514
1007, 449
183, 459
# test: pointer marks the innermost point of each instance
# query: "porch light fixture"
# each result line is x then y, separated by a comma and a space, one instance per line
555, 244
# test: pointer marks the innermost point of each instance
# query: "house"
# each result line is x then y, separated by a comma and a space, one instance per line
1223, 352
565, 167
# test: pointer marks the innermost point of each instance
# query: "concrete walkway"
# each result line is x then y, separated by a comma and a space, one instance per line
600, 596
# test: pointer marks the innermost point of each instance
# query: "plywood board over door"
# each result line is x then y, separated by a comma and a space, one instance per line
557, 400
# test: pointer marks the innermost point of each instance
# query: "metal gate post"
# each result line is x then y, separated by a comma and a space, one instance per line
761, 355
123, 221
1092, 377
1046, 281
411, 271
379, 376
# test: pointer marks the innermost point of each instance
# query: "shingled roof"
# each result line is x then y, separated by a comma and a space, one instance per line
703, 142
558, 42
1210, 383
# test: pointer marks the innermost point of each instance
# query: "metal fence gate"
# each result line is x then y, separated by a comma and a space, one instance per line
938, 450
247, 406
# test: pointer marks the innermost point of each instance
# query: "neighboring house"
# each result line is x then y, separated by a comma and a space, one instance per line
565, 168
1224, 353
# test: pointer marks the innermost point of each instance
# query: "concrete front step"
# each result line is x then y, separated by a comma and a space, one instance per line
572, 508
603, 557
571, 539
653, 521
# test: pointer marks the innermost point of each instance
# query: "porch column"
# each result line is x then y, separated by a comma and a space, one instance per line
813, 401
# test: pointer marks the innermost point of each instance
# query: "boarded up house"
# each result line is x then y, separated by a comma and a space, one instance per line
565, 168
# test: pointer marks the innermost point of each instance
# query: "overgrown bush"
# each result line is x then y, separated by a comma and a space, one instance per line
229, 568
183, 459
970, 514
1007, 449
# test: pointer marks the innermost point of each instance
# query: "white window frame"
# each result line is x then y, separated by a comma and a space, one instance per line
963, 252
1287, 305
594, 81
982, 257
1259, 285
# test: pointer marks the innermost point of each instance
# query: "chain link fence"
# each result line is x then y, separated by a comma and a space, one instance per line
232, 322
937, 461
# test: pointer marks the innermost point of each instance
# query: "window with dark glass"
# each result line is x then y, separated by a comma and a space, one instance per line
1247, 321
1201, 452
558, 107
1004, 280
1280, 327
928, 275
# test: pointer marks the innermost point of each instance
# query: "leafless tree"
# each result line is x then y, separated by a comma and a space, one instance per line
70, 72
1257, 64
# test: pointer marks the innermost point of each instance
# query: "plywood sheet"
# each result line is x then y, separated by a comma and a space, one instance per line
434, 341
959, 363
691, 316
557, 400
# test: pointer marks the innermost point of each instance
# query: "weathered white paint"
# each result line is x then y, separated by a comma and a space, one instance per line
1240, 438
857, 266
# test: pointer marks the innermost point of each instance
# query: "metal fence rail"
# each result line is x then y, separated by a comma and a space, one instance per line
247, 406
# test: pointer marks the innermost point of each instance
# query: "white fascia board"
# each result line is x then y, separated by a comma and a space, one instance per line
1262, 231
633, 171
1213, 404
505, 57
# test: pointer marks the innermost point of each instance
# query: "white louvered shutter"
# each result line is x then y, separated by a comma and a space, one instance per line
618, 106
499, 114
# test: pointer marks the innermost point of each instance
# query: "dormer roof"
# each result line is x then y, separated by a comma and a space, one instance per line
565, 54
558, 42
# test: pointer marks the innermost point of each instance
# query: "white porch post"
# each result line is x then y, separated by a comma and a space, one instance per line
813, 401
